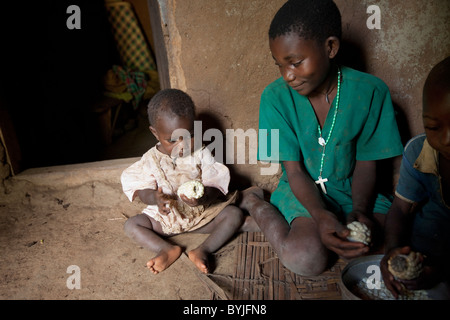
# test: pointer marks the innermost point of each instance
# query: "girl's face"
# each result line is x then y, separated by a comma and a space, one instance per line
436, 119
304, 64
178, 143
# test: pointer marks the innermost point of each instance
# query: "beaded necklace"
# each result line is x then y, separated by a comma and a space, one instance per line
324, 142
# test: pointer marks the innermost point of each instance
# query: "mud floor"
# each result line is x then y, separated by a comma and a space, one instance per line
47, 251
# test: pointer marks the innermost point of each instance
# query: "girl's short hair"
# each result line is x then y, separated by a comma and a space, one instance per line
170, 101
310, 19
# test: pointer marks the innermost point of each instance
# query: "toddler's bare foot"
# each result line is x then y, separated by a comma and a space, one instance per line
200, 259
164, 259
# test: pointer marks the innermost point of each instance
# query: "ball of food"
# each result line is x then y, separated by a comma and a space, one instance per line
193, 189
406, 267
359, 232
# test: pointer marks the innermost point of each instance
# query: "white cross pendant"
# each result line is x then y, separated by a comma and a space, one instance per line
322, 184
322, 141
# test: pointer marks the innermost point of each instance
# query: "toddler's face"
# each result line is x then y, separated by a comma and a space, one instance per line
172, 143
304, 64
436, 119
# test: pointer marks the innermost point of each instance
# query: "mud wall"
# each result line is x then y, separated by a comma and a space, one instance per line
5, 171
218, 52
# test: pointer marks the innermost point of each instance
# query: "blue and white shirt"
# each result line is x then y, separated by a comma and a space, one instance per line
420, 182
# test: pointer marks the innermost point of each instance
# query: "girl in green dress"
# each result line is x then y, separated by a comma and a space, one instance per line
334, 123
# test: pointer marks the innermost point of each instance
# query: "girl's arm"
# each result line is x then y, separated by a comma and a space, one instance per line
363, 189
304, 188
332, 233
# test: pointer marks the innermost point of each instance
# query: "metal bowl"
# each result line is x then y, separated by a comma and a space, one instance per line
361, 279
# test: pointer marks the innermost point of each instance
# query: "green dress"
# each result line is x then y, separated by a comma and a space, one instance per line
365, 129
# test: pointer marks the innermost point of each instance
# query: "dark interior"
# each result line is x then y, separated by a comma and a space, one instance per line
52, 82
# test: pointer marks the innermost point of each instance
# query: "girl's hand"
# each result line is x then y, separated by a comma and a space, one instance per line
375, 230
361, 217
162, 201
334, 236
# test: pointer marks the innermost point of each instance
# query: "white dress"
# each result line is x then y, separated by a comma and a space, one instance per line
158, 170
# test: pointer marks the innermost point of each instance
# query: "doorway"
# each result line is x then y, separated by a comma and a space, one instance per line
53, 107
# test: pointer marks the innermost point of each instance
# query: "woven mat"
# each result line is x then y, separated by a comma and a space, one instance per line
259, 275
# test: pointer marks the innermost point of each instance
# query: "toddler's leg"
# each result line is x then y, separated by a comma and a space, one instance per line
221, 229
147, 232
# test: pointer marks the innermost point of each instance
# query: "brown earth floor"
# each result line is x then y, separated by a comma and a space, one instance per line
43, 233
38, 245
60, 217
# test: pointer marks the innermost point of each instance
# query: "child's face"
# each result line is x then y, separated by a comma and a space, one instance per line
174, 146
436, 119
304, 64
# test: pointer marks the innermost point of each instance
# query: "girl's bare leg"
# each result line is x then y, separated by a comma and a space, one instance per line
249, 224
147, 232
298, 246
221, 229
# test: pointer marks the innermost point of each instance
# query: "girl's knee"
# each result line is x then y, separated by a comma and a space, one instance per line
304, 260
305, 266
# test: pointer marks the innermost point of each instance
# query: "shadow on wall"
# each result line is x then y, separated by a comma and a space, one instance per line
351, 54
211, 121
402, 122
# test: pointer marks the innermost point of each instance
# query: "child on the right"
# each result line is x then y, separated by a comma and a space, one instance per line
419, 218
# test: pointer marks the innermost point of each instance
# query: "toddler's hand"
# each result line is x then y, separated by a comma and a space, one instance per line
190, 202
162, 201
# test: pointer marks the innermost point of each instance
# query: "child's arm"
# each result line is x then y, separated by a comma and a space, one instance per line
399, 223
155, 197
211, 194
332, 233
215, 177
398, 228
